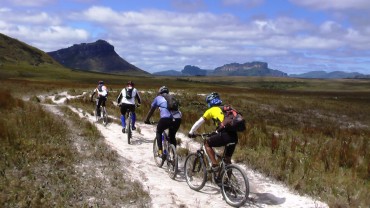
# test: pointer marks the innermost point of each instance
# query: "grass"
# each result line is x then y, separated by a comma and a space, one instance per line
311, 134
45, 164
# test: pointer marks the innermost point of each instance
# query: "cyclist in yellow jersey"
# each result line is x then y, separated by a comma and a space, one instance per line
222, 136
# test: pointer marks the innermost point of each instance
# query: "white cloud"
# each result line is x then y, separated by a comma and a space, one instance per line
334, 4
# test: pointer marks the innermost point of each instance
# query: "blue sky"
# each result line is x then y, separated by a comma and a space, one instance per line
294, 36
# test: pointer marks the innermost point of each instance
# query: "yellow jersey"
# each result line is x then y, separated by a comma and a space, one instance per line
215, 113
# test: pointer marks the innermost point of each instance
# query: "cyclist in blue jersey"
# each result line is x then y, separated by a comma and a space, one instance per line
170, 120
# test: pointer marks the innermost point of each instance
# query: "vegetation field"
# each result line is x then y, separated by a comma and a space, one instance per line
313, 135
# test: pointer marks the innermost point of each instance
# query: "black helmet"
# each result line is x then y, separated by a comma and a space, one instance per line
101, 82
130, 83
163, 89
213, 99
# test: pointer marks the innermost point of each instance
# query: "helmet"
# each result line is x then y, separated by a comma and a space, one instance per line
213, 99
101, 82
130, 83
163, 89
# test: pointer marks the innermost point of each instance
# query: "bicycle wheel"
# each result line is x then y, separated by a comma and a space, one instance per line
172, 161
235, 186
96, 115
128, 129
105, 116
195, 171
158, 160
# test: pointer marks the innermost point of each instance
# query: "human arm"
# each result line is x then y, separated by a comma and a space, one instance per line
196, 125
92, 96
138, 98
119, 98
150, 113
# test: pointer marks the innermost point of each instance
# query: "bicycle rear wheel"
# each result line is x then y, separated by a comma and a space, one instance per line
157, 159
128, 130
195, 171
172, 161
235, 186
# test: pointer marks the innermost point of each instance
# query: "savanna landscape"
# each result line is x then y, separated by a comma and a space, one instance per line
310, 134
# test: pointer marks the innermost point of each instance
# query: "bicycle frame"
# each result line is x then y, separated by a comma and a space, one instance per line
221, 159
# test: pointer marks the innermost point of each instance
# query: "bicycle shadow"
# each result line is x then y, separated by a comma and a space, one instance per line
265, 198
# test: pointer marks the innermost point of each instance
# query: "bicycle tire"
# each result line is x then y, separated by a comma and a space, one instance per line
195, 171
172, 161
234, 186
128, 129
96, 115
158, 160
105, 116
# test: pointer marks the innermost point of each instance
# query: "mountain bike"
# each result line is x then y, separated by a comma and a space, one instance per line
104, 114
231, 178
169, 156
128, 128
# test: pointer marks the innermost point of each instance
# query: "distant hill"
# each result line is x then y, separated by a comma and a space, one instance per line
168, 73
98, 56
233, 69
13, 51
328, 75
255, 68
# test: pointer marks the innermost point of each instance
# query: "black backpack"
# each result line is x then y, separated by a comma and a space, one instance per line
129, 92
233, 120
172, 102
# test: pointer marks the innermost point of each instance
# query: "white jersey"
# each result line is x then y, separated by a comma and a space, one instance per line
124, 97
102, 92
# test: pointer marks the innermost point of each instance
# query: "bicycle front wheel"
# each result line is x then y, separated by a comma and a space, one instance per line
172, 161
195, 171
157, 159
128, 130
105, 116
235, 186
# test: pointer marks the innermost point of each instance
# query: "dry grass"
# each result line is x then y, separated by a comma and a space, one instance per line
311, 134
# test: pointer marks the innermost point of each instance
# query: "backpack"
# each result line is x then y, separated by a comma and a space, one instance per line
129, 92
172, 102
233, 120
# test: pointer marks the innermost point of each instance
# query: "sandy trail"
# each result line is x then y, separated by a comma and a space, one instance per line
166, 192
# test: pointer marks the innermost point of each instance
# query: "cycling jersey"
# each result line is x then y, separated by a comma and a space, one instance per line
215, 113
161, 103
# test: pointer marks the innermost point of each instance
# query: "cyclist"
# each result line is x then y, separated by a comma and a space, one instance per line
102, 93
126, 100
222, 136
170, 120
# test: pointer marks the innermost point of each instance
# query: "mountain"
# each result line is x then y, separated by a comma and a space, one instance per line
328, 75
168, 73
234, 69
254, 68
98, 56
13, 51
194, 71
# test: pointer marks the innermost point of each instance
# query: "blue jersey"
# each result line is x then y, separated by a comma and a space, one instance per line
161, 103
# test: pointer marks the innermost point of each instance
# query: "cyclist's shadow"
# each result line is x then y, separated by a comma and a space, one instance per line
138, 140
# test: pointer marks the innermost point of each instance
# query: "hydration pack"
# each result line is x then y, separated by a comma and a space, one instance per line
233, 120
129, 92
172, 102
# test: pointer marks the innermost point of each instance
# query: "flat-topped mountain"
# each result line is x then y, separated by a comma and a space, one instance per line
234, 69
99, 56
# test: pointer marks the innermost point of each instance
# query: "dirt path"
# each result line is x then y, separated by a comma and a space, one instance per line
166, 192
